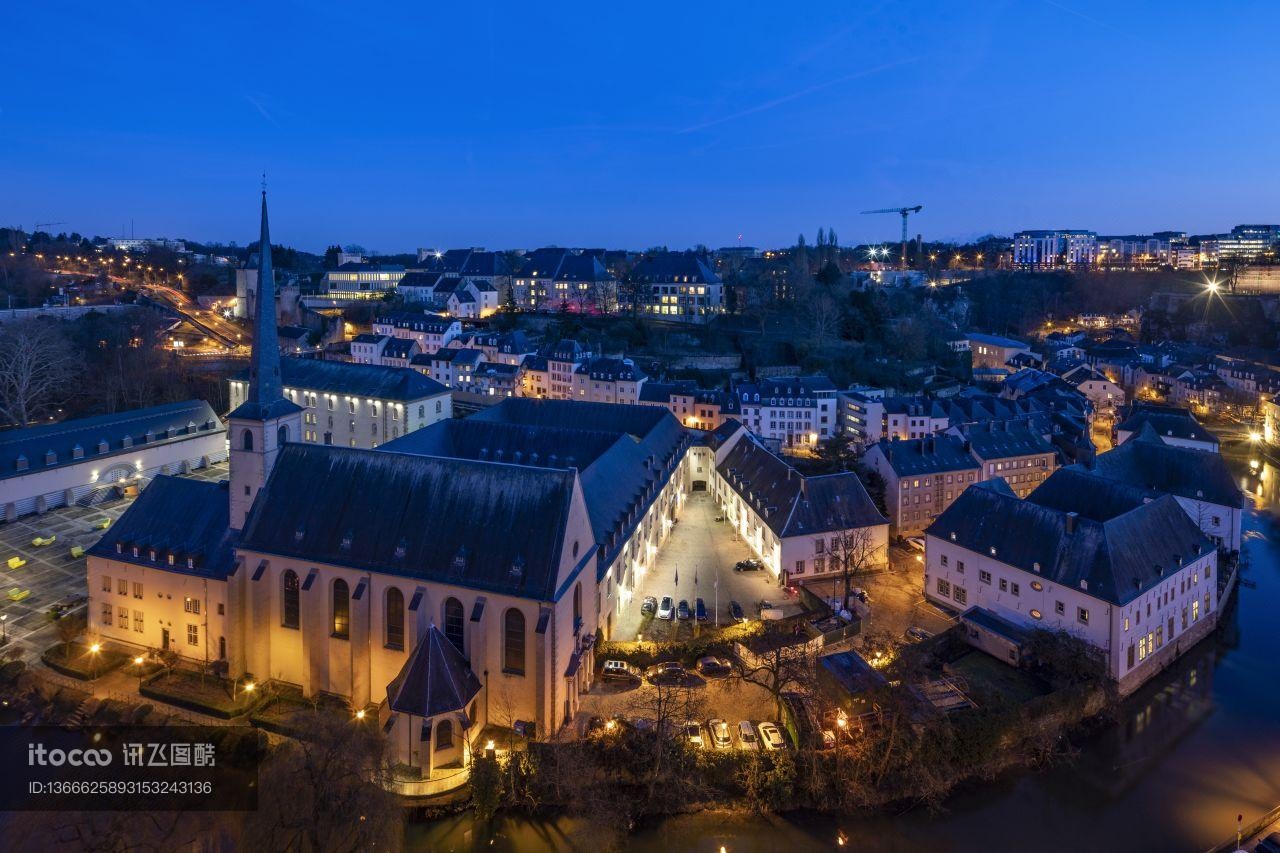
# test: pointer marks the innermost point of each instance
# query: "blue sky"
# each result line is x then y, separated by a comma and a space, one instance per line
513, 125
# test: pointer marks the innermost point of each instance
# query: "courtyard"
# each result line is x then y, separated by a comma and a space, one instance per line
695, 562
51, 574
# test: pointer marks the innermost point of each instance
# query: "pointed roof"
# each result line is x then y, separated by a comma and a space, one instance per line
266, 389
435, 680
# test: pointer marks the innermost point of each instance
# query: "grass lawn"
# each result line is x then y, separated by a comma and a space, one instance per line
993, 683
75, 659
206, 694
281, 712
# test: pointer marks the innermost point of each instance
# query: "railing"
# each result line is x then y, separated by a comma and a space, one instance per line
439, 783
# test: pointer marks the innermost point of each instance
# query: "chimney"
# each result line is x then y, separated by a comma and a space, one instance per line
1071, 521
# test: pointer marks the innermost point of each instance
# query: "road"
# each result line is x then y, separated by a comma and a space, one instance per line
210, 322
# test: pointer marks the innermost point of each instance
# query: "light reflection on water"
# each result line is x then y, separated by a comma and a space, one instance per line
1187, 753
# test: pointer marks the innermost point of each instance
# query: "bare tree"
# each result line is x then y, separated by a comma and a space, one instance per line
778, 660
853, 551
667, 707
824, 314
37, 366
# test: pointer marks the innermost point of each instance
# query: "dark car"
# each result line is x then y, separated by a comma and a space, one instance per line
735, 612
669, 672
713, 667
617, 670
1270, 844
700, 610
683, 611
748, 566
649, 606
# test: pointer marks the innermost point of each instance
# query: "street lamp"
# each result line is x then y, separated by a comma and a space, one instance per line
94, 650
4, 629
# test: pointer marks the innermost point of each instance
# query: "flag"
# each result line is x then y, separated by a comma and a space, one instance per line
695, 577
677, 577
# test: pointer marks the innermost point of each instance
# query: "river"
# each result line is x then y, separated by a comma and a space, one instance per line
1197, 746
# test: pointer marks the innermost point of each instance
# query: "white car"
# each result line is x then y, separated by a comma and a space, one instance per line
719, 734
747, 735
667, 609
771, 737
916, 543
693, 734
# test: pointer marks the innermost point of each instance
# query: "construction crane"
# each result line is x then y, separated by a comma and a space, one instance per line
904, 212
40, 225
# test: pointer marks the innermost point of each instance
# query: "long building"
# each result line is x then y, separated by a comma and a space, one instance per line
60, 464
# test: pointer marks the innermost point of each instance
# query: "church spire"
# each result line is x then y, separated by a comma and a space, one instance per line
264, 365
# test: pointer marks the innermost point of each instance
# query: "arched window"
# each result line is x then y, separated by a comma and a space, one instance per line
395, 618
282, 434
453, 620
246, 440
444, 734
513, 642
341, 610
289, 599
577, 607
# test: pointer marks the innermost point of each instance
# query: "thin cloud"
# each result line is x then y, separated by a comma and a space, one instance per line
1081, 15
776, 102
257, 105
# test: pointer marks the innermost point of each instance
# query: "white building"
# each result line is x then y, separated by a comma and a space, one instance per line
431, 331
355, 405
793, 411
94, 458
1051, 249
1133, 577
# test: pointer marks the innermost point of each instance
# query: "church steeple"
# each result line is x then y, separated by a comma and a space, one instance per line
260, 426
264, 365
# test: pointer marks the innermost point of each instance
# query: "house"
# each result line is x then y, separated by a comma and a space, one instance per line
1105, 395
1133, 577
1010, 450
922, 477
608, 380
677, 286
353, 405
792, 411
803, 529
696, 408
1173, 424
431, 331
993, 351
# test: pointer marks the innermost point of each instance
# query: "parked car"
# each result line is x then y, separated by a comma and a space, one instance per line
693, 735
713, 666
620, 670
916, 543
916, 634
667, 609
751, 565
649, 606
719, 734
735, 612
1270, 844
747, 735
683, 611
668, 672
860, 594
700, 610
771, 736
593, 725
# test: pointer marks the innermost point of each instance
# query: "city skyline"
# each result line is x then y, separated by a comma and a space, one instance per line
746, 124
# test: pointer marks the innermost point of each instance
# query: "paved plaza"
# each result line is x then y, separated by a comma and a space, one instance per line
702, 552
51, 573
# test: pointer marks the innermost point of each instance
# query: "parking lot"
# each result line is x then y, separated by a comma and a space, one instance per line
701, 552
50, 573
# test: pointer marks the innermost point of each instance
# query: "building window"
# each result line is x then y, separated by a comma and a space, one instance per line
137, 621
106, 583
193, 635
513, 642
1082, 615
1013, 588
984, 576
799, 567
289, 599
122, 585
453, 621
106, 614
1059, 608
246, 440
944, 560
341, 610
1004, 585
137, 589
444, 734
944, 587
190, 605
959, 567
122, 617
962, 595
395, 618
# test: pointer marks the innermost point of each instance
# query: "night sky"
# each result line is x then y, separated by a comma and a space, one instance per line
513, 125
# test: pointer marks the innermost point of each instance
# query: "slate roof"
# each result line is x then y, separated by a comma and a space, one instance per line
610, 369
1113, 558
191, 417
415, 516
673, 267
358, 380
582, 268
929, 455
514, 444
179, 516
764, 391
369, 338
996, 624
1147, 462
426, 280
913, 407
399, 348
1166, 421
1003, 439
435, 680
543, 263
790, 503
416, 321
995, 340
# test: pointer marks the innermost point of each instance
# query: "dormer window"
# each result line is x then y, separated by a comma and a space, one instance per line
191, 562
77, 452
517, 567
345, 545
103, 447
299, 532
21, 463
402, 548
460, 559
50, 458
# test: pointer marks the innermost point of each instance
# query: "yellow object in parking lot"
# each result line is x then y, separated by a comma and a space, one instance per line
41, 541
77, 552
16, 594
16, 562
